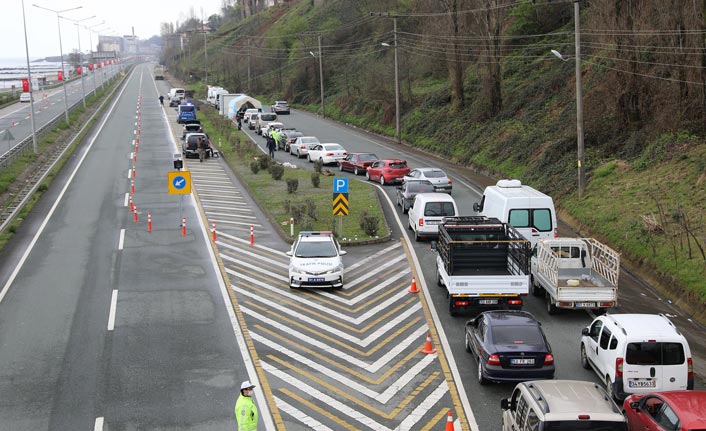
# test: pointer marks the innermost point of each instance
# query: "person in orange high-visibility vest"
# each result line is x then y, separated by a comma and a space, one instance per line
245, 408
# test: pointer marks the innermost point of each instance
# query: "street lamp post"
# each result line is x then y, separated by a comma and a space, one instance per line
579, 100
61, 54
90, 40
80, 62
29, 78
321, 77
398, 138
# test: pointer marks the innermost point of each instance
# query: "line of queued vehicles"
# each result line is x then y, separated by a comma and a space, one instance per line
491, 262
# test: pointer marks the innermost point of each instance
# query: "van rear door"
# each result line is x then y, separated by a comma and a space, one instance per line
533, 223
655, 366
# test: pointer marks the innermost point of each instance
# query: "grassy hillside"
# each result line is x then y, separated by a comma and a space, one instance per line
643, 127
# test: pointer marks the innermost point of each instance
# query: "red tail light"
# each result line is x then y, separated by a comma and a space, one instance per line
329, 154
421, 222
618, 368
302, 146
345, 153
449, 181
689, 368
556, 233
514, 302
549, 359
493, 360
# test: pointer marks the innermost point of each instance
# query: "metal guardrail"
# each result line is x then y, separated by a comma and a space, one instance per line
21, 147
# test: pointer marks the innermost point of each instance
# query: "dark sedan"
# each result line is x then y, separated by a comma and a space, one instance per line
407, 191
357, 163
509, 346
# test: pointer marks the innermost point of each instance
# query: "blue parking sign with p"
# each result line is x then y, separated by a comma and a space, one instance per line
340, 185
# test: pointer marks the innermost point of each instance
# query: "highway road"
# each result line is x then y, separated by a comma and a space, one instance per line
15, 122
106, 325
563, 330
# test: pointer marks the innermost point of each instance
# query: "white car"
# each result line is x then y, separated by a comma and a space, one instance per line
25, 97
301, 146
437, 177
252, 119
315, 261
269, 126
326, 153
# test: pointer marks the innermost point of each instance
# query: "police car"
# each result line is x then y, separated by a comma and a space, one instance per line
315, 261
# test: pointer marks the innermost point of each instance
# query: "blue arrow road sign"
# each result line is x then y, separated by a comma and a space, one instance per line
340, 185
179, 182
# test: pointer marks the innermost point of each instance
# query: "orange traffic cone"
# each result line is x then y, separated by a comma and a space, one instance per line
413, 286
428, 349
449, 423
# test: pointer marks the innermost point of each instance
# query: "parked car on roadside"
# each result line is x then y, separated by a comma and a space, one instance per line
441, 182
252, 119
263, 119
301, 146
25, 97
666, 411
326, 153
408, 190
509, 346
357, 162
387, 171
290, 136
189, 148
193, 126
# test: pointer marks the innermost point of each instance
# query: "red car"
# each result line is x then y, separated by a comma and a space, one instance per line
357, 162
666, 411
387, 171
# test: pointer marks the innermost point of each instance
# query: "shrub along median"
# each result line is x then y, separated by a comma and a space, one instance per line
304, 195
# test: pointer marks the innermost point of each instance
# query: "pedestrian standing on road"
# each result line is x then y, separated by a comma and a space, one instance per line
201, 145
245, 408
271, 145
161, 100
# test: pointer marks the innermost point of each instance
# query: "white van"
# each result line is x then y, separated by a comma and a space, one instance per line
427, 212
637, 353
529, 211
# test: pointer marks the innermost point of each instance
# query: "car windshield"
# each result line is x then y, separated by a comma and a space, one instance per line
368, 157
585, 425
434, 174
417, 187
655, 354
268, 117
398, 165
309, 140
333, 147
439, 209
517, 335
316, 249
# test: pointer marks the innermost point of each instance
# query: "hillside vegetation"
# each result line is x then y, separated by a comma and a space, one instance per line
479, 86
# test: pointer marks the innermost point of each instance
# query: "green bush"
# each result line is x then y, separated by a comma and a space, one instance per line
369, 223
318, 165
264, 162
315, 180
297, 213
255, 166
277, 171
311, 209
287, 205
292, 186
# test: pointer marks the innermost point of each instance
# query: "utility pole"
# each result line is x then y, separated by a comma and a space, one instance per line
398, 138
321, 78
29, 79
205, 48
579, 103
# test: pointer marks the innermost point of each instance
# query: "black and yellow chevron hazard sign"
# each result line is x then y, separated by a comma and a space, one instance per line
340, 204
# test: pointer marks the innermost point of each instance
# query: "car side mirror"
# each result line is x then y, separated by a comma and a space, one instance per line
432, 246
505, 404
635, 405
342, 252
476, 207
289, 253
585, 331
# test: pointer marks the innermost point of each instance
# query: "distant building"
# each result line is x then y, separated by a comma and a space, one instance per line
129, 44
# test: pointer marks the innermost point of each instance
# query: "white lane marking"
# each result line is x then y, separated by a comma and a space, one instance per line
134, 132
233, 208
68, 182
121, 241
127, 199
129, 173
375, 256
133, 142
99, 424
131, 155
423, 407
297, 414
113, 307
246, 225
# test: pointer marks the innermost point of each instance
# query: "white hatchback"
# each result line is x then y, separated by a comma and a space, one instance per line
327, 153
301, 146
315, 261
25, 97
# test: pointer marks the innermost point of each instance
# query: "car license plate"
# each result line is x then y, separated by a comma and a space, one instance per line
487, 301
585, 305
431, 222
642, 383
316, 279
522, 361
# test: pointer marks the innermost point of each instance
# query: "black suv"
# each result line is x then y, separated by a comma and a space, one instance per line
190, 145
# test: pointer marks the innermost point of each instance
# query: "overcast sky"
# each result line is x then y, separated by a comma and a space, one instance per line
120, 17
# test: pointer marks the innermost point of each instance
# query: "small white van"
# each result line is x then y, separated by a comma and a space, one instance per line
637, 353
427, 212
529, 211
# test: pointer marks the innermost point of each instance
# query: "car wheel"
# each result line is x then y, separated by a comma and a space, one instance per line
584, 358
439, 281
536, 290
468, 344
382, 180
609, 389
321, 161
367, 176
482, 380
551, 307
308, 157
405, 208
416, 235
299, 156
355, 171
340, 167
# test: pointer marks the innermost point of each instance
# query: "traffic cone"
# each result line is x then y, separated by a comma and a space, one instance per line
135, 213
213, 230
252, 235
449, 422
428, 349
183, 226
149, 221
413, 286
